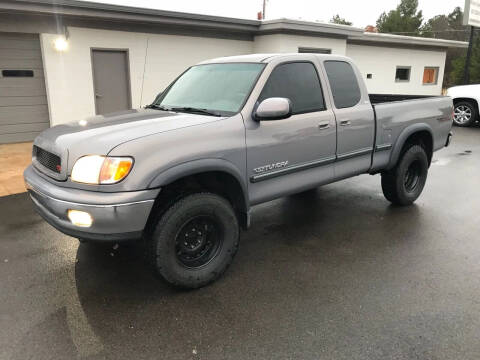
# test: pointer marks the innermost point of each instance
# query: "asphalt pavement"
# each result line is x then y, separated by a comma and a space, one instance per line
333, 273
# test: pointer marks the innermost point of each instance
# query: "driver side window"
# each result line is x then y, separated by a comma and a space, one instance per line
298, 82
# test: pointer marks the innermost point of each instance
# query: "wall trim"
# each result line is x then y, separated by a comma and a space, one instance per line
396, 45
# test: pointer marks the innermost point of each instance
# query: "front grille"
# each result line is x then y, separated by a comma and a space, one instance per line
47, 159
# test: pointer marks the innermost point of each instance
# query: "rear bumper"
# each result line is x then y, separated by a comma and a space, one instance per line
449, 139
116, 216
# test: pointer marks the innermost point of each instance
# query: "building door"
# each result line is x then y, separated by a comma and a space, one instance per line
111, 80
23, 100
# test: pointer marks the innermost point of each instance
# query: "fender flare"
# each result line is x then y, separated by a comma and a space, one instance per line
465, 98
402, 138
193, 167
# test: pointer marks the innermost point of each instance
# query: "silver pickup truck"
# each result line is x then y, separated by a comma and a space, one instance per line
228, 134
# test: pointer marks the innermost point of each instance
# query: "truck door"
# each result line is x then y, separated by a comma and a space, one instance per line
354, 116
288, 155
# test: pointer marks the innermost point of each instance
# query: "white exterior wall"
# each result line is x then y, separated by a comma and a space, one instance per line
155, 60
170, 55
382, 62
284, 43
69, 78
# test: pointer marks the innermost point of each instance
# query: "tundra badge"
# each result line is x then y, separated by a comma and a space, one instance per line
268, 167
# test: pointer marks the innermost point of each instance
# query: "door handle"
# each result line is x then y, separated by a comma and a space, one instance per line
324, 125
345, 123
98, 95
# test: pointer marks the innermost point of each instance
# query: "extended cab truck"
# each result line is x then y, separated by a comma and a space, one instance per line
228, 134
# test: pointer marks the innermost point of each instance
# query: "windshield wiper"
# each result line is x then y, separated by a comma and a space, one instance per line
195, 110
157, 107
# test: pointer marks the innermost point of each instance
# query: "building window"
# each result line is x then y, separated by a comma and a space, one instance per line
312, 50
430, 75
369, 76
402, 74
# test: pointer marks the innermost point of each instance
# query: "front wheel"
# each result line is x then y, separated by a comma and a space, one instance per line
194, 241
403, 184
464, 113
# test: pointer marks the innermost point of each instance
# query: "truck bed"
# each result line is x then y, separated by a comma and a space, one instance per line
394, 113
383, 98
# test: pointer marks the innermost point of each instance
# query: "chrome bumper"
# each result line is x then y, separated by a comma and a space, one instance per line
116, 216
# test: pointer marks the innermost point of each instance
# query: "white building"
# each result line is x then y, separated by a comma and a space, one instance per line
70, 60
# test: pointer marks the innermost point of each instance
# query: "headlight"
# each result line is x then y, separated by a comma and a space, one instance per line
96, 169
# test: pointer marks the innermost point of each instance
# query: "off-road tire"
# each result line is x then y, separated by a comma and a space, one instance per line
164, 240
398, 185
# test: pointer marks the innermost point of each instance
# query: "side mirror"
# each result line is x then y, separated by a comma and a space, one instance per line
273, 109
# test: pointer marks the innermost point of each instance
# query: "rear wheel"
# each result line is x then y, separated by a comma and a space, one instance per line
194, 241
403, 184
464, 113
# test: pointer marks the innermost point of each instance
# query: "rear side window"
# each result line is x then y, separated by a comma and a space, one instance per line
344, 84
298, 82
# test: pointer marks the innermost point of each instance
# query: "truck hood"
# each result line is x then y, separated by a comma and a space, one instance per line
100, 134
468, 91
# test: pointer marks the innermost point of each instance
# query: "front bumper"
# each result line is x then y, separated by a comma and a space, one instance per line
116, 216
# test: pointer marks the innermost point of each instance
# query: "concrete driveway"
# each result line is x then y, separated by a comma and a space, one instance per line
14, 158
335, 273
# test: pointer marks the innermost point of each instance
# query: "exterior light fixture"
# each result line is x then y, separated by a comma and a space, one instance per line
61, 44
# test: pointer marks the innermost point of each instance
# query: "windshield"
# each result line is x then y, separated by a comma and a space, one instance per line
214, 87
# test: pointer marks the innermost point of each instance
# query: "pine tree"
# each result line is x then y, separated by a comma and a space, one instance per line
404, 19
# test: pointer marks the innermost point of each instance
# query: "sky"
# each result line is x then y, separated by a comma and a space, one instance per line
360, 12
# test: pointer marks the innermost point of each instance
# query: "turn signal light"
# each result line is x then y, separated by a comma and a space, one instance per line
115, 169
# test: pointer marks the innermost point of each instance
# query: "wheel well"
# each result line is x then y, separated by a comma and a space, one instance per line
216, 182
469, 100
422, 138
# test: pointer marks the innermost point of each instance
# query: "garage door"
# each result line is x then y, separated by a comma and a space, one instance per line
23, 101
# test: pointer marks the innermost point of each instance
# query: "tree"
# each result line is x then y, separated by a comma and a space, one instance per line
455, 76
339, 20
455, 21
437, 26
450, 27
404, 19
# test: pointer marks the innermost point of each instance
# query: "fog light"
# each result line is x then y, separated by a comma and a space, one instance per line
80, 218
